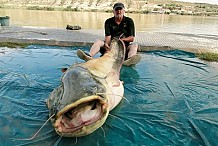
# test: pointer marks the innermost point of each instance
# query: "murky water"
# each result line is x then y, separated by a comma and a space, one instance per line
95, 20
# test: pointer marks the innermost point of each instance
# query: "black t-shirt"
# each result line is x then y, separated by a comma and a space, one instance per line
126, 27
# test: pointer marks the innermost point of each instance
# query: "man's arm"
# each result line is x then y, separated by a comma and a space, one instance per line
131, 31
107, 42
128, 39
107, 39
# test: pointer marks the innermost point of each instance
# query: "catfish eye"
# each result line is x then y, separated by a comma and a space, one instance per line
94, 90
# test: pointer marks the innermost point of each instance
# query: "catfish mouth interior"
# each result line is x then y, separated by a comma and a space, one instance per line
81, 115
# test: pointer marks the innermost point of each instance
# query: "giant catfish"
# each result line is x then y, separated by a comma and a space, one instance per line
87, 93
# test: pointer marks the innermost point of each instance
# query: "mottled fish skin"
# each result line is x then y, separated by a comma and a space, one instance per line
95, 82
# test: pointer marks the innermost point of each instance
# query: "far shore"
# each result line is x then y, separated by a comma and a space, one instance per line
107, 10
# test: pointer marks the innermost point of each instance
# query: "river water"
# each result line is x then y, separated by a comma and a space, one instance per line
95, 20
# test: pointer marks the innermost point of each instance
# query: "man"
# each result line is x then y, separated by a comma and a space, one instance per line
121, 27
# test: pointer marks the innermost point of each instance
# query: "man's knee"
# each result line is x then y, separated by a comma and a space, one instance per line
99, 43
132, 47
96, 47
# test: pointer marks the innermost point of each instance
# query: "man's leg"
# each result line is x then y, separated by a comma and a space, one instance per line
94, 50
133, 58
132, 50
96, 47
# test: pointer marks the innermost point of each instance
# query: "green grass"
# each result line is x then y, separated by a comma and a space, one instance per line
13, 45
208, 56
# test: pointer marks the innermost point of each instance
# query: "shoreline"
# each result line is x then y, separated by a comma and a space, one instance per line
107, 10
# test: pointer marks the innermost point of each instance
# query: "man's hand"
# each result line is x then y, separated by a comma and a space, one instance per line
106, 46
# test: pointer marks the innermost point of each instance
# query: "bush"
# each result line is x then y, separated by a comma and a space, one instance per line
208, 56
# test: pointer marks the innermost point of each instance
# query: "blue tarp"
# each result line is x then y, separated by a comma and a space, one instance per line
171, 98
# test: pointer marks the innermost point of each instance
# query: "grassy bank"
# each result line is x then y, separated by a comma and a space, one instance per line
208, 56
13, 45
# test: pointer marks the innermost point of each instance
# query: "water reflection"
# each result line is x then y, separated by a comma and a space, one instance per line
95, 20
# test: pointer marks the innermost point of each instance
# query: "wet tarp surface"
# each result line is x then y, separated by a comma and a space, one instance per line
171, 98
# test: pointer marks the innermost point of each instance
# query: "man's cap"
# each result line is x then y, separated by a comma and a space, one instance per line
118, 5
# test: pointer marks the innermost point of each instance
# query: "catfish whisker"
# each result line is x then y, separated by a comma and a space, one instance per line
126, 99
114, 94
36, 132
108, 94
115, 117
103, 131
57, 142
75, 142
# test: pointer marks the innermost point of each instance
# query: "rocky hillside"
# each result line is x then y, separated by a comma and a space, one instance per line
144, 6
131, 5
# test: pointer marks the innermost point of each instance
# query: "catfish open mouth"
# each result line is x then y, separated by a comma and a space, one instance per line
82, 118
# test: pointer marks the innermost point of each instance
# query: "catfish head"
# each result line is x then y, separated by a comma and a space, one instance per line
87, 93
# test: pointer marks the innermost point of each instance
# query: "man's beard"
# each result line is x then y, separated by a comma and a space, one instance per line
119, 16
